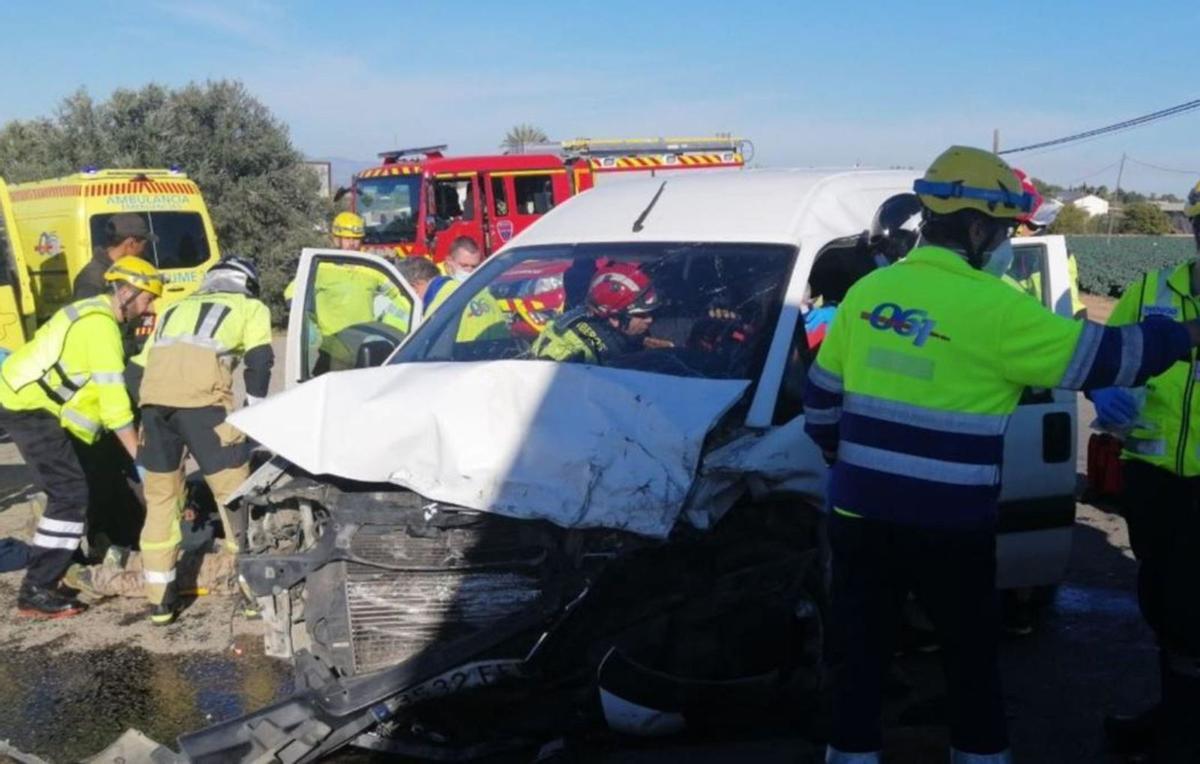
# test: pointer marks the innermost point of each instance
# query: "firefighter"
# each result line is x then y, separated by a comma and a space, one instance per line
614, 320
186, 391
909, 399
1161, 467
348, 230
68, 381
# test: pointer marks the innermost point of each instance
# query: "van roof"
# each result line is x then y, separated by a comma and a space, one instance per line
764, 206
109, 175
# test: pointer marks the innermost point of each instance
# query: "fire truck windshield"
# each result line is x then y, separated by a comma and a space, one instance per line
389, 208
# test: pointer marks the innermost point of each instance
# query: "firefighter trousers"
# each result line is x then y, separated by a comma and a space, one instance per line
223, 454
46, 448
953, 575
1163, 514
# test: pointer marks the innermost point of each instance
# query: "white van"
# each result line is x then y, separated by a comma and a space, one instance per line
468, 516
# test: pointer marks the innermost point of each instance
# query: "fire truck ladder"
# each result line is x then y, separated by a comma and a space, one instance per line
417, 153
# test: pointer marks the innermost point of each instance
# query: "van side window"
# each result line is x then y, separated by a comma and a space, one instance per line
182, 241
535, 194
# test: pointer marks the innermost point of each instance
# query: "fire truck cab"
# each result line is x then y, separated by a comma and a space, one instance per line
419, 201
489, 199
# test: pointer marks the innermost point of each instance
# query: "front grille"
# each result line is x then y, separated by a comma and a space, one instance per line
458, 581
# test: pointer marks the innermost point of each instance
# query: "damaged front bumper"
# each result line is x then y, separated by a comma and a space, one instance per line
393, 607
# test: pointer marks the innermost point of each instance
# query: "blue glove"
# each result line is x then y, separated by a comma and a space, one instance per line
1115, 407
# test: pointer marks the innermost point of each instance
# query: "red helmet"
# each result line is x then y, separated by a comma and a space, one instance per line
621, 288
1028, 187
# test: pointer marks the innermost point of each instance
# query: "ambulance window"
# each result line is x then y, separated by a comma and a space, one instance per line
499, 197
182, 241
535, 194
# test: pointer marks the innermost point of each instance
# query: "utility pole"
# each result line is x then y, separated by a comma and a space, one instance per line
1116, 198
996, 141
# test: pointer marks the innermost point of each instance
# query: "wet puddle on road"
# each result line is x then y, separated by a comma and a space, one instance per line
68, 705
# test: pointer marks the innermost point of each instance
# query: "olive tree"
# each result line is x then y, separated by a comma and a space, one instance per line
264, 201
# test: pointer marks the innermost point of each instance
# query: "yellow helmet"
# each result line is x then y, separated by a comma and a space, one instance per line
1193, 203
136, 272
347, 225
965, 178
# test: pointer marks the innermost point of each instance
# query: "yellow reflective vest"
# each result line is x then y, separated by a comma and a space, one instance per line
190, 358
914, 384
74, 369
1167, 430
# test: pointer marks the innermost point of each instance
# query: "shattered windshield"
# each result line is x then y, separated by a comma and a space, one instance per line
389, 208
694, 310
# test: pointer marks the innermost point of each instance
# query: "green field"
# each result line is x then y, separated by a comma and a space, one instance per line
1107, 266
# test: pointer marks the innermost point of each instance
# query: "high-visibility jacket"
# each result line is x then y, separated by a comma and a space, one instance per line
483, 319
439, 289
576, 337
920, 371
356, 294
73, 368
190, 358
1031, 284
1167, 431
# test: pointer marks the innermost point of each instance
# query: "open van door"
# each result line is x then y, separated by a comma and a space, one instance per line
349, 310
1037, 497
17, 320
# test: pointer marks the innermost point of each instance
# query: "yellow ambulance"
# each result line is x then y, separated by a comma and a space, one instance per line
48, 230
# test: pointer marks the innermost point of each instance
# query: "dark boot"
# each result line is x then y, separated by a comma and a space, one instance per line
165, 612
35, 601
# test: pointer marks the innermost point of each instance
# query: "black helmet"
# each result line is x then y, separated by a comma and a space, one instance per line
896, 226
240, 265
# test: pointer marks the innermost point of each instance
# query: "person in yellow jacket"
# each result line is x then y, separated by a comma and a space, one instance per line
1161, 468
344, 296
67, 385
483, 319
185, 392
909, 399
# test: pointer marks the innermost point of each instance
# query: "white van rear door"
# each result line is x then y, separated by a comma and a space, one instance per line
1037, 498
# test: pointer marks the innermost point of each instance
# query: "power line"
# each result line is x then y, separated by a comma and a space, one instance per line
1097, 172
1117, 127
1178, 170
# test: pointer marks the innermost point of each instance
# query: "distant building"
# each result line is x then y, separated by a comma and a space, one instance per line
324, 173
1174, 210
1090, 203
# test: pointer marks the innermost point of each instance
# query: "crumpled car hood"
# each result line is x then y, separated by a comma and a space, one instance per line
579, 446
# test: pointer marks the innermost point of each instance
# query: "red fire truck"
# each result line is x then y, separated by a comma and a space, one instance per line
419, 201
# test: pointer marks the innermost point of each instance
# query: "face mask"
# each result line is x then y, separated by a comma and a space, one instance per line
1000, 259
460, 275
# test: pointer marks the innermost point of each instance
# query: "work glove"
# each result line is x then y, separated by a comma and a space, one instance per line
1115, 407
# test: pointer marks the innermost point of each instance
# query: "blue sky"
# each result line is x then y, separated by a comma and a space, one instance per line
811, 84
